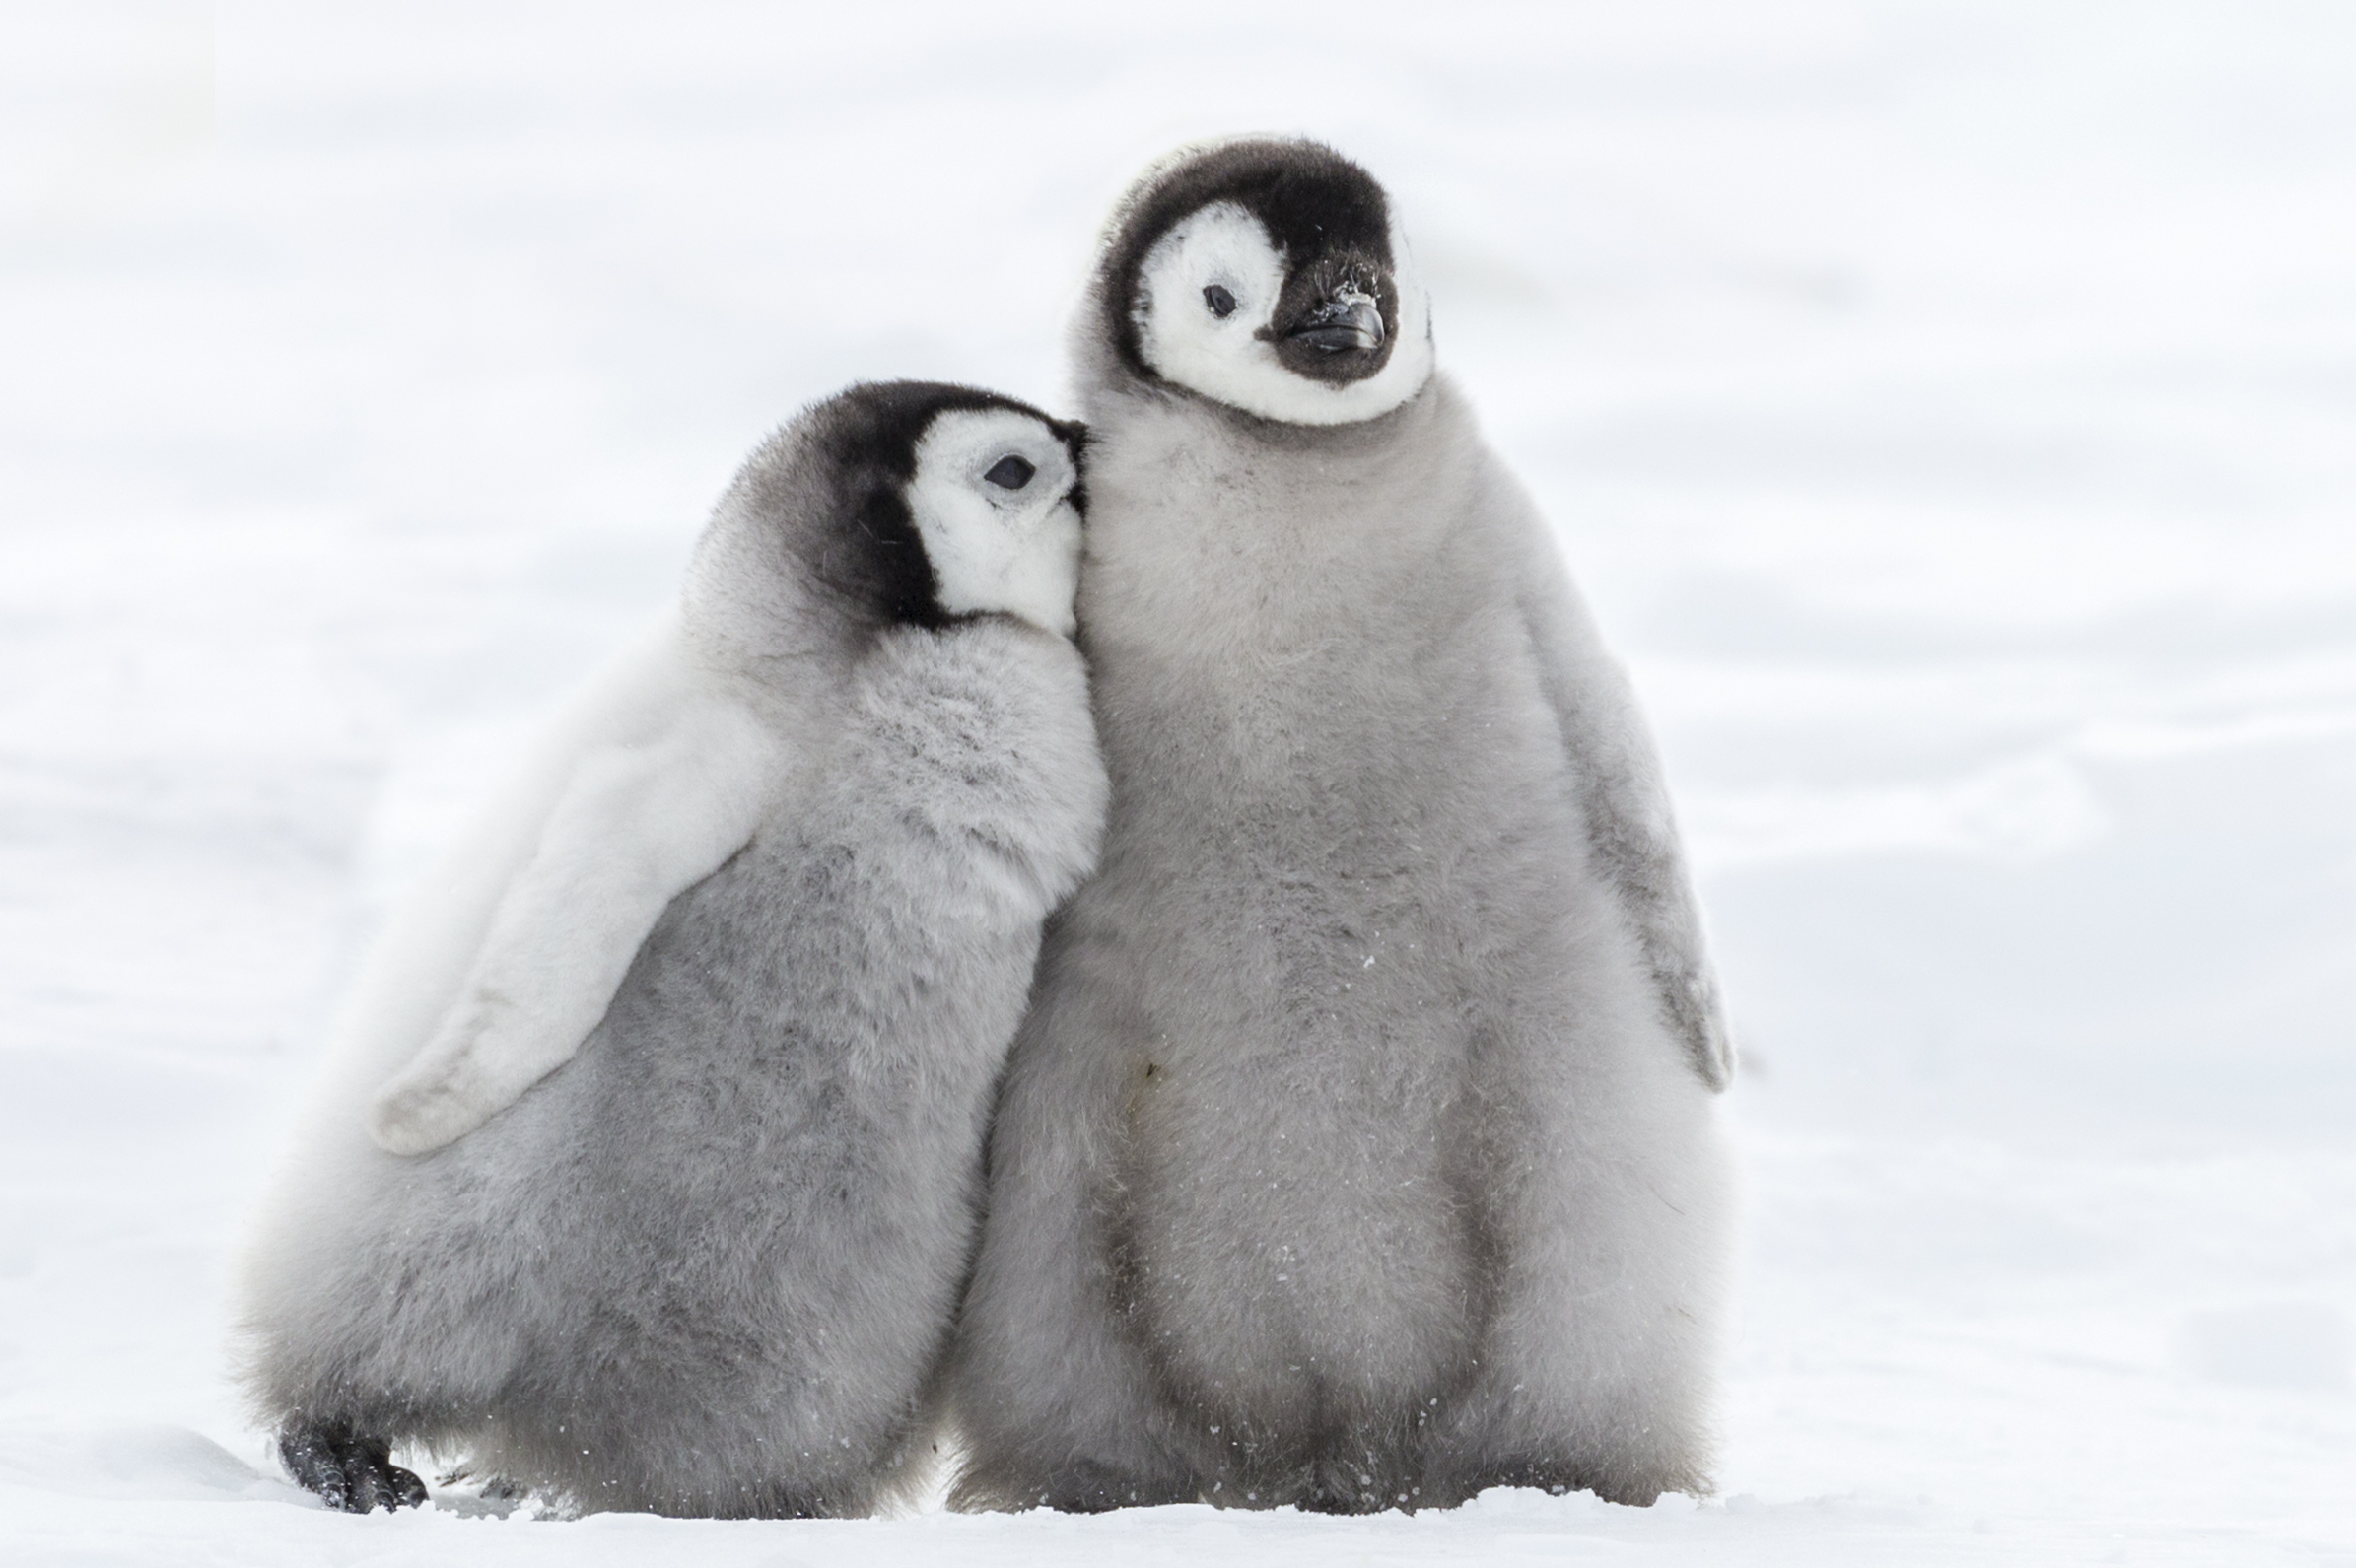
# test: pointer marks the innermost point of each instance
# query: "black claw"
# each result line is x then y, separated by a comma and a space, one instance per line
353, 1475
368, 1463
311, 1459
408, 1488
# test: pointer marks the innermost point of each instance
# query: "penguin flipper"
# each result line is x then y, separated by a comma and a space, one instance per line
635, 825
1632, 831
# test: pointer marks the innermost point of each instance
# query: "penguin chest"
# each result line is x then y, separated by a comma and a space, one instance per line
1324, 907
1341, 846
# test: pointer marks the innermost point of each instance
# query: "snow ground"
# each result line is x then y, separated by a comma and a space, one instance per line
1946, 406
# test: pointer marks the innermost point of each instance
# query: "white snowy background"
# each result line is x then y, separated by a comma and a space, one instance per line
1950, 409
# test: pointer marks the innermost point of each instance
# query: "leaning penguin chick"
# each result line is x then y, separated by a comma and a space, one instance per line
1358, 1149
651, 1176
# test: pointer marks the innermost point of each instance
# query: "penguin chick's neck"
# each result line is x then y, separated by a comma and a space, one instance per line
1226, 532
740, 612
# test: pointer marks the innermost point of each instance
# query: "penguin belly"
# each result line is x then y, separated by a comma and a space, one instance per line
1308, 1243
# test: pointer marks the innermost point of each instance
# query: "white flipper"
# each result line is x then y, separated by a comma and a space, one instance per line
654, 782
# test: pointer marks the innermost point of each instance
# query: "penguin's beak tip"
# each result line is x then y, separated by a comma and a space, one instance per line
1341, 326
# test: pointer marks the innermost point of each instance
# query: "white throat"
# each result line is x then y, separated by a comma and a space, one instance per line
1223, 246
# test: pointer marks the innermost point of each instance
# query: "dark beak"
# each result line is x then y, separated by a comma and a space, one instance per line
1341, 326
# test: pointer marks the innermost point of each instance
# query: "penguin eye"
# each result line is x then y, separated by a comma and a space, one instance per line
1221, 303
1010, 473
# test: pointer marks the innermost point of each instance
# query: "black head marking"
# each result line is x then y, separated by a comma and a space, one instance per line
856, 533
1337, 315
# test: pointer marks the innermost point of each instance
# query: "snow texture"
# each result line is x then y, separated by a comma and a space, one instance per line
1945, 407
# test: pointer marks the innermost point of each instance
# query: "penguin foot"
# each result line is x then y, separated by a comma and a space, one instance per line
1633, 1488
1079, 1487
1360, 1480
491, 1489
352, 1474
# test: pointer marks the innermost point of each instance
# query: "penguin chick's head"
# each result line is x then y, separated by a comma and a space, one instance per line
901, 502
1269, 276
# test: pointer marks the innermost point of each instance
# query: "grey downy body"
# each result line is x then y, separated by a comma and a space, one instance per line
707, 1264
1358, 1149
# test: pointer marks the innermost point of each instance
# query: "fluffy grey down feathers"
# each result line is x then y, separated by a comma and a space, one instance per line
1358, 1149
707, 1266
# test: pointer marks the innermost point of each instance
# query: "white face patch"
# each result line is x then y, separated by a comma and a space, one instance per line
992, 499
1180, 333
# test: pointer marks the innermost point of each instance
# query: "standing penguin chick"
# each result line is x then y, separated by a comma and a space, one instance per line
652, 1174
1358, 1150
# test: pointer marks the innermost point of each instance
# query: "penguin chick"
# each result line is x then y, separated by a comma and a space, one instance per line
650, 1174
1358, 1149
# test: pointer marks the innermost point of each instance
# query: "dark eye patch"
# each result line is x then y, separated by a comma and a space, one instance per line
1221, 303
1010, 472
